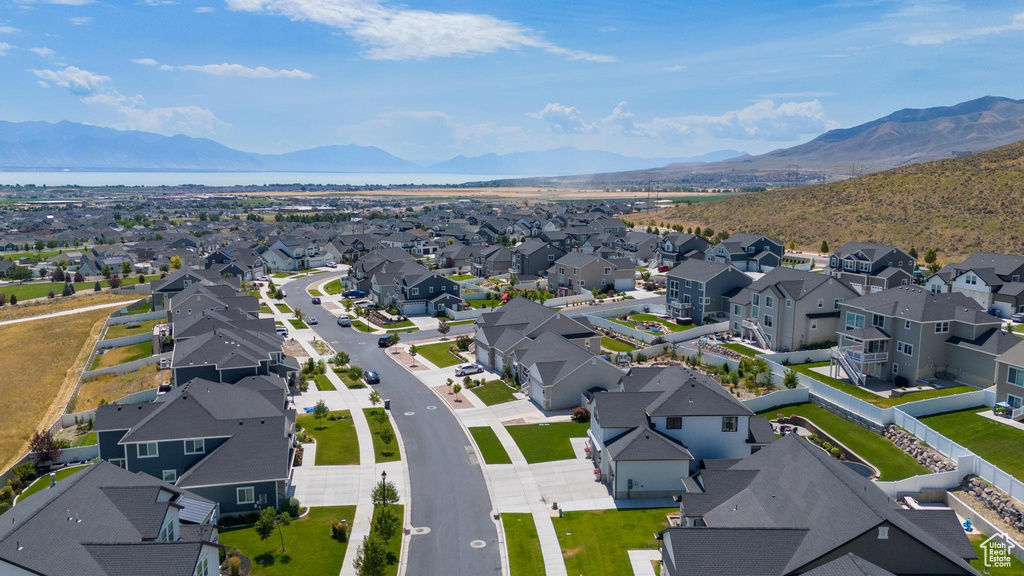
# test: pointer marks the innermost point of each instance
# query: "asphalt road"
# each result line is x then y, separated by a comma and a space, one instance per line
448, 491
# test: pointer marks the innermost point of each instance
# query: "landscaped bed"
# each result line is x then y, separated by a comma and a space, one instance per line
489, 445
998, 443
892, 463
870, 397
493, 392
122, 355
383, 453
336, 440
741, 349
524, 555
309, 548
547, 442
111, 387
596, 542
438, 354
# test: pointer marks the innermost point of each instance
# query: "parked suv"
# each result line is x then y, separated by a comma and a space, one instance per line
344, 321
371, 377
384, 341
353, 294
316, 300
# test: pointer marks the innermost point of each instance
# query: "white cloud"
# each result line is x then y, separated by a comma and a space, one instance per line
565, 119
43, 52
78, 81
8, 30
398, 33
621, 117
69, 2
144, 61
764, 120
80, 20
4, 47
157, 2
676, 68
203, 9
226, 69
931, 38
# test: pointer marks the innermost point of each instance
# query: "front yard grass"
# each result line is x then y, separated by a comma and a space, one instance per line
741, 349
309, 548
438, 354
524, 555
460, 277
493, 392
892, 462
111, 387
87, 439
547, 442
122, 330
394, 547
322, 383
587, 547
869, 397
400, 324
297, 324
332, 288
458, 322
383, 453
1016, 566
122, 355
613, 345
43, 481
1000, 444
283, 308
264, 309
489, 445
361, 326
350, 382
336, 440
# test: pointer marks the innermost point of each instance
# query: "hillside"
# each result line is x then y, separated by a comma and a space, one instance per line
956, 206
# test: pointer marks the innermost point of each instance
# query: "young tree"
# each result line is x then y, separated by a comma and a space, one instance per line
69, 289
371, 557
824, 247
443, 328
19, 273
913, 253
44, 445
142, 278
790, 379
115, 281
299, 314
930, 256
394, 339
385, 523
269, 520
340, 359
3, 300
374, 398
347, 303
126, 268
106, 271
387, 436
384, 494
79, 277
450, 382
381, 417
456, 389
319, 413
412, 352
176, 262
14, 299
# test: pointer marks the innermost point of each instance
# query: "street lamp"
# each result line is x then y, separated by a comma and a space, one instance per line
383, 487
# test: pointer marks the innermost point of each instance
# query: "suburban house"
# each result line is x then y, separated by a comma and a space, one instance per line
292, 253
913, 334
698, 289
676, 247
533, 258
992, 280
872, 267
578, 273
637, 246
457, 255
360, 274
1009, 379
230, 354
104, 520
229, 443
791, 508
555, 372
415, 290
789, 309
648, 436
164, 289
748, 252
516, 324
490, 261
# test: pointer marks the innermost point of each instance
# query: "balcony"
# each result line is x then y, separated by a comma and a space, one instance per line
858, 355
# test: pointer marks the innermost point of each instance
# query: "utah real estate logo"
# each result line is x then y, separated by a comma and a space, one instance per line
998, 550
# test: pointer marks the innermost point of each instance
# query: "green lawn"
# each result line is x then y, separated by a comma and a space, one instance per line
484, 303
383, 453
315, 292
400, 324
121, 330
42, 289
395, 545
336, 441
283, 308
494, 392
122, 355
1016, 566
596, 542
458, 322
524, 556
547, 442
1000, 444
264, 309
489, 445
361, 326
322, 383
402, 330
613, 345
461, 277
858, 392
350, 383
741, 349
333, 287
282, 274
308, 544
438, 354
87, 439
668, 324
297, 324
892, 462
43, 481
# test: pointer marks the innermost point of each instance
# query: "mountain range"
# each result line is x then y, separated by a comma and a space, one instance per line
80, 147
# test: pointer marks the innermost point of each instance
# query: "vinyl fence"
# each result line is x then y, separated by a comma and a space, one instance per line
782, 397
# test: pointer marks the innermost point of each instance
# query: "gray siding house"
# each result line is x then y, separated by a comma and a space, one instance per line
872, 267
698, 289
748, 252
533, 258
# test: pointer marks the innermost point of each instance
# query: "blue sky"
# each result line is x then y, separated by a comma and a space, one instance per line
430, 80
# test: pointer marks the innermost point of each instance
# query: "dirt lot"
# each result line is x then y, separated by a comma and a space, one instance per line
110, 387
40, 363
40, 307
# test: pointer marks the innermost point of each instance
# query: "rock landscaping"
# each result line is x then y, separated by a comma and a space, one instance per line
995, 501
927, 456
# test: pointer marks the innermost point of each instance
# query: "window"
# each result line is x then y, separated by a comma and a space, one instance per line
203, 567
167, 532
737, 309
941, 327
688, 284
821, 303
551, 257
674, 422
580, 282
835, 303
769, 302
1015, 376
970, 279
878, 321
751, 249
768, 321
865, 266
673, 290
905, 348
245, 495
119, 462
700, 286
197, 446
883, 532
789, 303
415, 291
170, 476
607, 271
849, 265
906, 324
686, 298
854, 320
730, 424
814, 324
705, 300
147, 450
755, 299
1015, 278
895, 368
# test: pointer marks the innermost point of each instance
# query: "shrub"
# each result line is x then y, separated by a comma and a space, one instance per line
234, 566
25, 471
339, 531
580, 414
355, 372
291, 506
14, 299
97, 287
6, 494
4, 507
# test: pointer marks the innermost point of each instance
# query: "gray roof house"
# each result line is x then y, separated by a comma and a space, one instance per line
1010, 379
748, 252
555, 373
698, 289
578, 273
871, 267
676, 247
790, 509
533, 258
105, 521
992, 280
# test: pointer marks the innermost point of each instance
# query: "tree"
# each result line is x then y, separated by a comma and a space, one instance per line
387, 436
443, 328
450, 382
299, 314
913, 253
3, 298
14, 299
68, 290
269, 520
79, 277
57, 275
394, 339
176, 262
106, 271
44, 445
126, 268
456, 389
381, 417
115, 281
790, 379
319, 413
374, 398
513, 280
19, 273
97, 286
340, 359
385, 523
371, 557
930, 256
347, 303
824, 247
384, 494
412, 352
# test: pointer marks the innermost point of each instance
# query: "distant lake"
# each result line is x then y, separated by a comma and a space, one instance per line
236, 178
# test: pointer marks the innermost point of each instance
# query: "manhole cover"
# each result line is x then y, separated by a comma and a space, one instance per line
420, 530
431, 407
409, 413
477, 544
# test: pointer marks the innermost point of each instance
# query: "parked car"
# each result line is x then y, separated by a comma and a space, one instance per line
467, 369
312, 321
1018, 317
263, 278
316, 300
384, 341
344, 321
664, 268
364, 304
371, 377
353, 294
331, 265
284, 294
282, 331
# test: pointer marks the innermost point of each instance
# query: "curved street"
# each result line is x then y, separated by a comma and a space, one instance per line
449, 495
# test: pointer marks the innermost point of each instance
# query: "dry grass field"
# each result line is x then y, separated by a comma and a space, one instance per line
41, 307
40, 364
110, 387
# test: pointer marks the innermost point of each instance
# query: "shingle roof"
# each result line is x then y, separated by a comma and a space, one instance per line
992, 341
849, 565
646, 444
698, 270
920, 305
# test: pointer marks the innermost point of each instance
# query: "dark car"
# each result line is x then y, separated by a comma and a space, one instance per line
371, 377
316, 300
384, 341
353, 294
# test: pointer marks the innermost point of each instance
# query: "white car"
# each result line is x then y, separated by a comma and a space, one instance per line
363, 304
263, 278
467, 369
